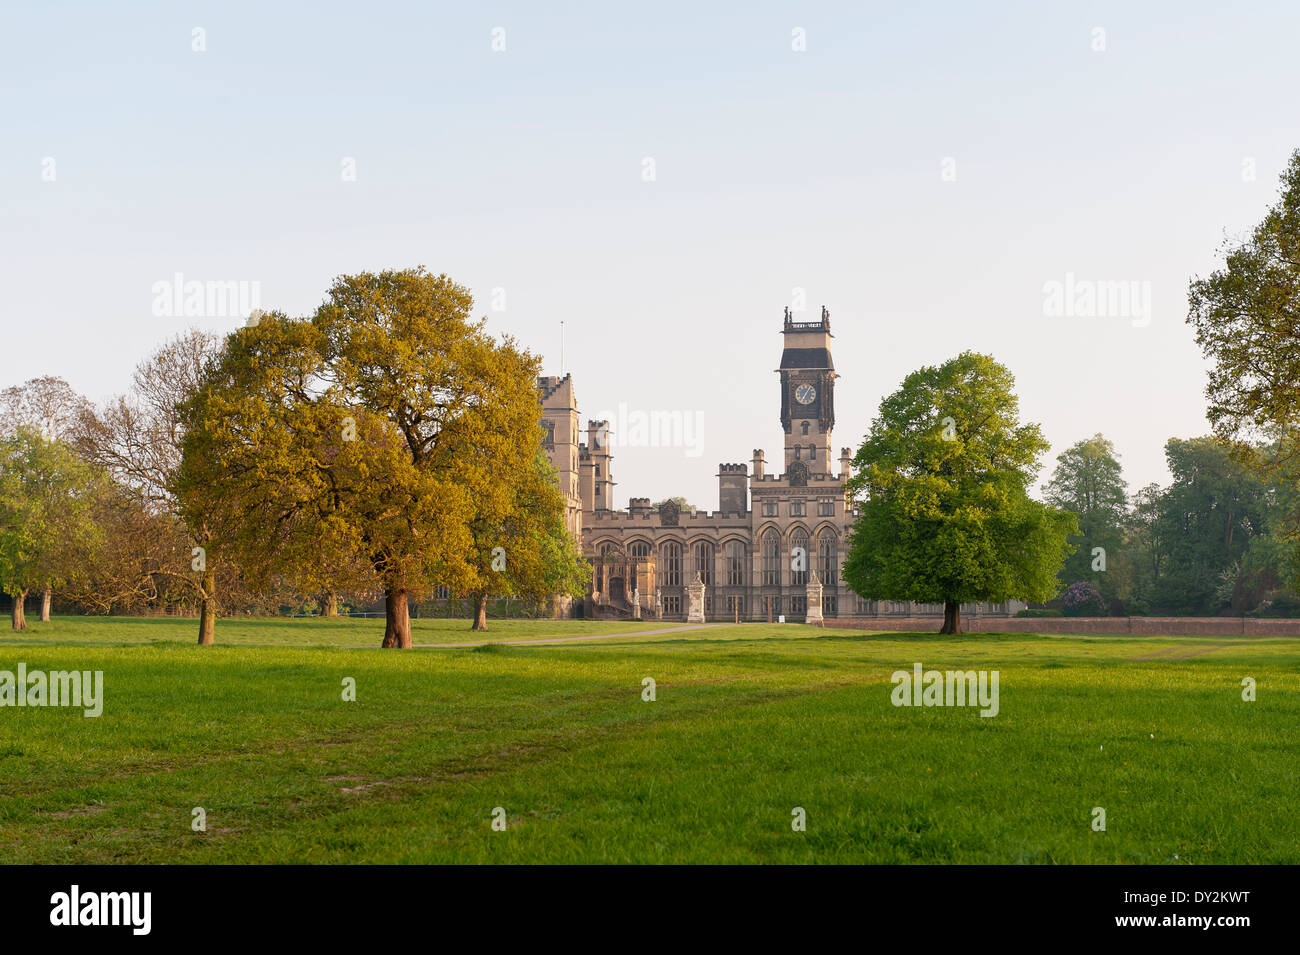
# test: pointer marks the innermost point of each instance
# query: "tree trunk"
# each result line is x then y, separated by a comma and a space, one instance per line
46, 597
330, 605
397, 625
20, 622
208, 611
480, 612
951, 617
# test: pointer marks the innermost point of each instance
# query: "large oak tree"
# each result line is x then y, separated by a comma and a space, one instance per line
359, 441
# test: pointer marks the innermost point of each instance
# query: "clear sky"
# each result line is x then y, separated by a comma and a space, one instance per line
922, 169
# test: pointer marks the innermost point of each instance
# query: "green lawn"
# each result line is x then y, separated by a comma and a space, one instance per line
299, 632
750, 722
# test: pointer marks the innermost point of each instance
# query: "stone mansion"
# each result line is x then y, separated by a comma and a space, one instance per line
774, 546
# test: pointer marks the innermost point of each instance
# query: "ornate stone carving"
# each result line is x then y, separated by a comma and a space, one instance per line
669, 514
814, 614
798, 474
695, 595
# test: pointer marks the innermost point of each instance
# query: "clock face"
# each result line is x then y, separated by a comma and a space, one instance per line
805, 394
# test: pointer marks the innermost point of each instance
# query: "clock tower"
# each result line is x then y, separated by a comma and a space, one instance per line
807, 393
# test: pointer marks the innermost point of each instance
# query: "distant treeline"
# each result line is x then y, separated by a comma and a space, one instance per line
1218, 540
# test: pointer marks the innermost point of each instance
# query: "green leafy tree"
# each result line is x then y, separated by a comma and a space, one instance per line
50, 407
521, 545
1088, 481
942, 485
1215, 519
1247, 321
1142, 559
45, 516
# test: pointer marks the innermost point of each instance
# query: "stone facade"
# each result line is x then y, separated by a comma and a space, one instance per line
776, 539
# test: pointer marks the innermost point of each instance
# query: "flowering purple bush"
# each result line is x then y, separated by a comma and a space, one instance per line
1083, 599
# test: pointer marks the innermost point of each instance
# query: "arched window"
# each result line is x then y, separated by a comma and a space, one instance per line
771, 559
639, 550
672, 575
804, 429
735, 556
828, 560
704, 563
799, 558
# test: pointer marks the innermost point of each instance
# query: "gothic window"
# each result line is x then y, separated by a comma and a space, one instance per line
799, 558
798, 508
804, 428
605, 554
812, 452
672, 565
798, 452
825, 508
735, 556
639, 550
771, 560
597, 470
704, 562
828, 563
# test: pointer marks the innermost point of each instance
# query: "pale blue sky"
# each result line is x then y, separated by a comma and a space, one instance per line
775, 169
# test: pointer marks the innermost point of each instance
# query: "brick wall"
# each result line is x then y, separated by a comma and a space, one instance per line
1170, 626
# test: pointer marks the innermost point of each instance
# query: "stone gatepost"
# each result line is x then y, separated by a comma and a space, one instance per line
695, 593
814, 599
